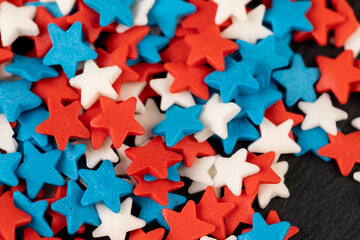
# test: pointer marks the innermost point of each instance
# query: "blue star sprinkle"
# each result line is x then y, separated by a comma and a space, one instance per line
152, 211
8, 164
103, 186
149, 47
172, 174
16, 97
67, 49
28, 121
112, 10
38, 169
36, 210
68, 161
261, 230
286, 16
32, 69
167, 13
75, 213
179, 123
311, 140
238, 78
263, 53
298, 81
282, 47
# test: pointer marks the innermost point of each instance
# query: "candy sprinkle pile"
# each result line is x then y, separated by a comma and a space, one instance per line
111, 110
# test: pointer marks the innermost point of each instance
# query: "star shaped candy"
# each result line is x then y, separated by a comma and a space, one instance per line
286, 16
76, 214
352, 44
65, 54
229, 83
283, 49
94, 156
343, 150
209, 47
275, 138
32, 69
337, 75
262, 230
36, 210
16, 22
156, 234
311, 140
149, 118
34, 166
230, 8
298, 81
67, 164
28, 121
249, 30
177, 51
112, 10
140, 10
16, 98
116, 225
149, 47
178, 123
133, 89
70, 124
65, 6
316, 111
231, 171
7, 142
269, 191
118, 120
51, 7
95, 82
162, 87
166, 14
152, 211
199, 171
8, 164
30, 234
122, 166
215, 116
172, 174
265, 56
356, 123
104, 187
179, 227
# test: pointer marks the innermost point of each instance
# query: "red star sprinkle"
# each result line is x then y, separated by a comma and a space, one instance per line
152, 159
56, 88
5, 55
343, 150
147, 70
156, 190
355, 87
177, 51
42, 41
11, 217
118, 120
189, 79
323, 20
58, 221
130, 38
156, 234
265, 175
273, 218
209, 47
185, 225
190, 148
210, 210
242, 212
337, 75
63, 123
30, 234
117, 58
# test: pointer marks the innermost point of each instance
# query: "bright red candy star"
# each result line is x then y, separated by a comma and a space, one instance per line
63, 123
118, 120
5, 55
30, 234
156, 234
147, 70
176, 51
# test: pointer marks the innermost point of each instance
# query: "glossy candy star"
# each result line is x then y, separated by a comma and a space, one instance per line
7, 142
8, 164
67, 164
262, 230
179, 227
103, 186
35, 165
76, 214
209, 47
166, 14
118, 120
178, 123
16, 98
63, 123
36, 210
298, 81
67, 49
230, 8
156, 234
337, 75
286, 16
